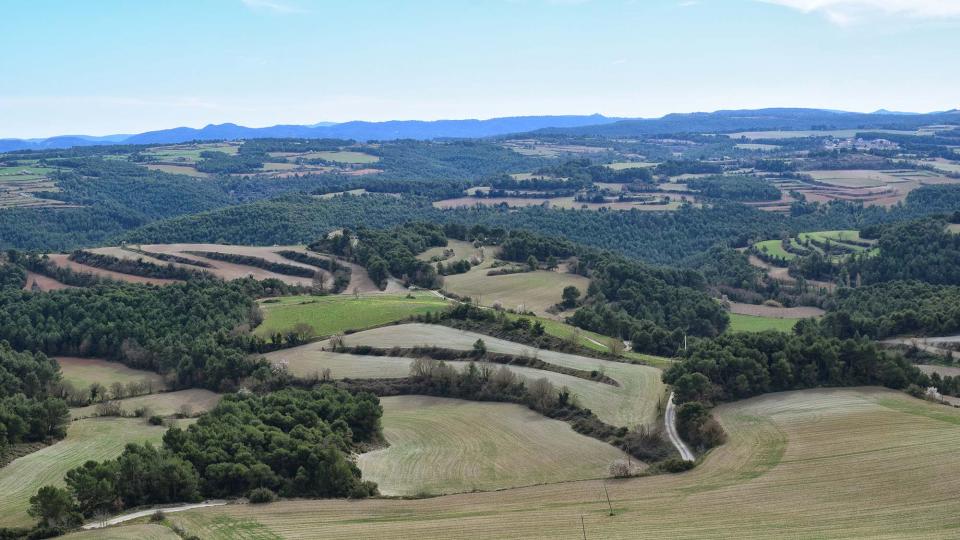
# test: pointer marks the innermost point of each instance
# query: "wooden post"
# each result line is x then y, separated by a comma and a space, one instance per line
584, 527
605, 492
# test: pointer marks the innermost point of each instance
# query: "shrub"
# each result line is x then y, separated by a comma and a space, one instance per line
155, 420
262, 495
158, 516
675, 465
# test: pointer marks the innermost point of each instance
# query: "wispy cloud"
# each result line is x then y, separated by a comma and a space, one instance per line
844, 12
688, 3
271, 5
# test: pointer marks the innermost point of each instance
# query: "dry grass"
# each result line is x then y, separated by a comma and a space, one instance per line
529, 291
82, 372
440, 445
188, 170
162, 404
848, 463
146, 531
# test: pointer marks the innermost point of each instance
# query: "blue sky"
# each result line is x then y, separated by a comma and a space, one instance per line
107, 66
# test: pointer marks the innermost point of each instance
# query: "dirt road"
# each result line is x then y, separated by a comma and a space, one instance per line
670, 420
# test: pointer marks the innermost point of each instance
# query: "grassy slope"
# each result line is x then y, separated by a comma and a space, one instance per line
82, 372
440, 445
774, 248
331, 314
633, 402
752, 323
126, 532
101, 438
533, 291
846, 463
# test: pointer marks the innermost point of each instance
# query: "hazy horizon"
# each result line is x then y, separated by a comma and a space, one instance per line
119, 67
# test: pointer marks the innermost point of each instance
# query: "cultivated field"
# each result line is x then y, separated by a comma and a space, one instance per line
845, 463
61, 260
95, 438
754, 323
331, 314
147, 531
440, 445
799, 312
342, 156
633, 402
44, 283
528, 291
197, 400
82, 372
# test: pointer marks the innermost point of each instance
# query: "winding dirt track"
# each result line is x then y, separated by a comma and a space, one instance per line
145, 513
670, 421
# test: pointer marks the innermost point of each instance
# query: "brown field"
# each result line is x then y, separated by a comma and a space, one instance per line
62, 261
441, 445
942, 370
44, 283
533, 147
221, 269
838, 133
800, 312
825, 464
872, 187
82, 372
162, 404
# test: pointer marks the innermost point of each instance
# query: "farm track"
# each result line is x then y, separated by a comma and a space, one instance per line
670, 423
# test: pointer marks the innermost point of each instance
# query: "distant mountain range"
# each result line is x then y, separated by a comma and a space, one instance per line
358, 130
599, 125
761, 120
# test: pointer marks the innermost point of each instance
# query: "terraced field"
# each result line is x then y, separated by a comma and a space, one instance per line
633, 402
845, 463
95, 438
440, 445
82, 372
775, 248
328, 315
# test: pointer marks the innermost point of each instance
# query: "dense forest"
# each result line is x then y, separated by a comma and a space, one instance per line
292, 442
29, 408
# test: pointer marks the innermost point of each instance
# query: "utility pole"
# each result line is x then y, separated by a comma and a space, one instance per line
605, 492
583, 527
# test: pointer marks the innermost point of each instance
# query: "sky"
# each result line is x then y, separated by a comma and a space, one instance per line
127, 66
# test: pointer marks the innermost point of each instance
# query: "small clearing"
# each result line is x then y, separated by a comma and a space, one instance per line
196, 400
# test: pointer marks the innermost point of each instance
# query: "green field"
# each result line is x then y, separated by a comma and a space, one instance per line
21, 173
825, 464
189, 153
774, 248
329, 315
95, 438
633, 402
440, 445
82, 372
752, 323
342, 156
